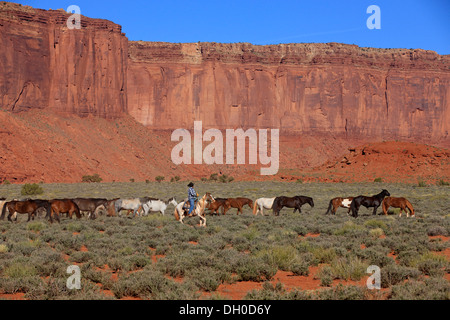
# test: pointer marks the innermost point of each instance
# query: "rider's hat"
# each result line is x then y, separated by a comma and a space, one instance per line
190, 184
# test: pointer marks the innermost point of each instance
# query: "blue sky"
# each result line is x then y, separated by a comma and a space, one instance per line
423, 24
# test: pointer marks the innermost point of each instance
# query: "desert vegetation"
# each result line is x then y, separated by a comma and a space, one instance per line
292, 256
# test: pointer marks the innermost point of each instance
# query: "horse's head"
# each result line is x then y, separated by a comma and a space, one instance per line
385, 193
172, 201
209, 197
311, 202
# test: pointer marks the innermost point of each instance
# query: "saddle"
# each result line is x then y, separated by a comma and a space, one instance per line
186, 207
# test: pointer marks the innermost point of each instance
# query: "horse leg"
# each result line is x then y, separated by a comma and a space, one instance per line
9, 216
375, 210
202, 220
386, 207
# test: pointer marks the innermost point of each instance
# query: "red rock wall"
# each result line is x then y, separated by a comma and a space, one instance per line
299, 88
343, 90
43, 64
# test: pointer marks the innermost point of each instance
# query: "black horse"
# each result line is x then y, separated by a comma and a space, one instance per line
373, 201
291, 202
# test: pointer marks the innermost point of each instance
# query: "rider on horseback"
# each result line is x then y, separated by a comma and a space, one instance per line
192, 197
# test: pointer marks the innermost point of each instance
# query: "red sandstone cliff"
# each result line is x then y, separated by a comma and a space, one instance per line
332, 88
323, 97
43, 64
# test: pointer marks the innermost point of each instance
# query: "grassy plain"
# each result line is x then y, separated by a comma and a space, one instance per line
156, 257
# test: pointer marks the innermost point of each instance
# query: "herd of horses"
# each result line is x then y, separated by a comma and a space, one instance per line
143, 206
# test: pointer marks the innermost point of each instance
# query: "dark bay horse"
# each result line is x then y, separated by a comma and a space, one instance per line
29, 207
59, 206
237, 203
368, 202
291, 202
90, 205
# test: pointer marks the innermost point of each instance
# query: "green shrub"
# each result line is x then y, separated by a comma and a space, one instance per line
394, 274
19, 270
443, 183
94, 178
31, 189
421, 183
225, 178
36, 226
279, 257
159, 178
214, 177
429, 289
378, 180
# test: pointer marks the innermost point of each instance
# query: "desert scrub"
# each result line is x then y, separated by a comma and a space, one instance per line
393, 274
428, 289
278, 257
254, 269
19, 270
151, 284
351, 229
268, 291
36, 226
430, 264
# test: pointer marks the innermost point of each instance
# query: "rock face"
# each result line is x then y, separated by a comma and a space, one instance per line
43, 64
344, 90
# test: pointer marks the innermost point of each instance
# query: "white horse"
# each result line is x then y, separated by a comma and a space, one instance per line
157, 205
262, 203
128, 204
199, 209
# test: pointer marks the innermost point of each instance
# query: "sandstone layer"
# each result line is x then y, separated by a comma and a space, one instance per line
333, 88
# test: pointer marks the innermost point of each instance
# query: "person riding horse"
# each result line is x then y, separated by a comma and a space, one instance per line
192, 198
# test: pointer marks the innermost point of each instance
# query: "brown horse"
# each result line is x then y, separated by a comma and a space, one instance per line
335, 203
237, 203
401, 203
29, 207
216, 205
64, 206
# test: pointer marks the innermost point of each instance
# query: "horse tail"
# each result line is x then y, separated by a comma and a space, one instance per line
255, 207
177, 215
3, 211
410, 207
329, 207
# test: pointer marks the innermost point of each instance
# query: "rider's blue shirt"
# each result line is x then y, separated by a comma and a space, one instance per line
191, 193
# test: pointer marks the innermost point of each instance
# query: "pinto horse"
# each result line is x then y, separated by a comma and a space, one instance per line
29, 207
237, 203
335, 203
291, 202
401, 203
262, 203
216, 205
199, 209
68, 206
373, 201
